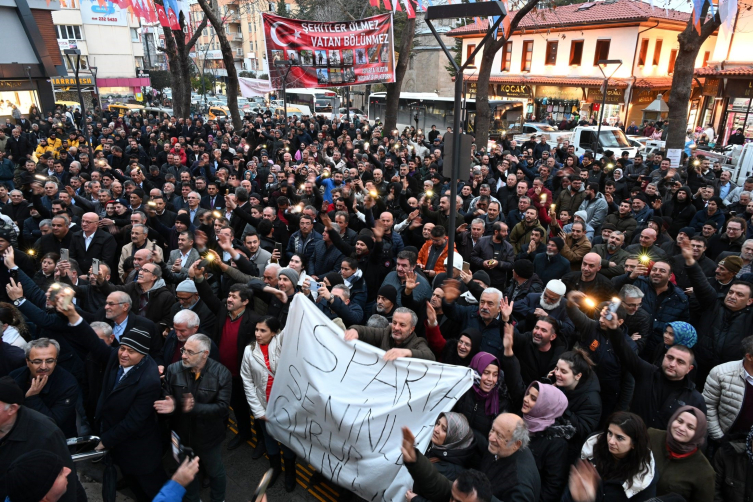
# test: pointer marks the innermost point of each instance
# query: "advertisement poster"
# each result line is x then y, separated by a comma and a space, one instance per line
105, 13
330, 54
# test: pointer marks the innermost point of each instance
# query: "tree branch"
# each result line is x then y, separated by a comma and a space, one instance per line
519, 15
197, 33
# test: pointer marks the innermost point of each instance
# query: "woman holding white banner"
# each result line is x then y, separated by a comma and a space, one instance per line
258, 373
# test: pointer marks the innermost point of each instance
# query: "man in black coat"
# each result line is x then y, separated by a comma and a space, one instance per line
23, 430
125, 419
236, 325
50, 390
185, 325
495, 255
92, 243
18, 147
188, 299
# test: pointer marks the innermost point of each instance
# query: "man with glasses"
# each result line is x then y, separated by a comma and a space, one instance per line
92, 243
50, 390
186, 323
188, 299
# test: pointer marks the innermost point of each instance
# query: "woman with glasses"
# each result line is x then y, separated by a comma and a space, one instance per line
258, 369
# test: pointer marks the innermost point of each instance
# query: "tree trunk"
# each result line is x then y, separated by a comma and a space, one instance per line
393, 90
682, 80
483, 112
176, 81
227, 58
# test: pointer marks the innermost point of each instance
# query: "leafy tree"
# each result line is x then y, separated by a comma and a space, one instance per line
160, 79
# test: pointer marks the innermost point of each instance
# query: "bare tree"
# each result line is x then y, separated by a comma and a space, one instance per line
179, 63
227, 57
682, 80
483, 112
393, 90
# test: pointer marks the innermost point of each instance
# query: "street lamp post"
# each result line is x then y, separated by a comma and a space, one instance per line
461, 10
288, 65
77, 54
96, 87
603, 63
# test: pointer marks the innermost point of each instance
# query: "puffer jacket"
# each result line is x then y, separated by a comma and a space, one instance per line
674, 306
596, 209
726, 380
204, 425
520, 235
583, 411
255, 374
626, 225
549, 448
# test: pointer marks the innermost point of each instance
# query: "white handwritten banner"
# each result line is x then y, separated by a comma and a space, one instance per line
340, 406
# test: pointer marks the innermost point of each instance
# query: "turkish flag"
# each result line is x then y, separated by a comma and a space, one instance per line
161, 16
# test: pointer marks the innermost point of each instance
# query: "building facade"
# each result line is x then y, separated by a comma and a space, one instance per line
32, 57
551, 62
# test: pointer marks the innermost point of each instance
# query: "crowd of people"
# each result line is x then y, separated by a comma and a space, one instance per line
149, 263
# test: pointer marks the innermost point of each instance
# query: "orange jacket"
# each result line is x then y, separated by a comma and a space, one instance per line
423, 256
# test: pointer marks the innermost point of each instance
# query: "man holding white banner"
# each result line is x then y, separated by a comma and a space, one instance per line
341, 405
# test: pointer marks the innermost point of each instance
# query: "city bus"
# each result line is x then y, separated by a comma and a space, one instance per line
320, 101
430, 109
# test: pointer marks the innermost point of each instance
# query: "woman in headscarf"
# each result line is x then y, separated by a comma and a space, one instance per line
675, 333
542, 409
620, 186
452, 446
681, 466
458, 351
487, 398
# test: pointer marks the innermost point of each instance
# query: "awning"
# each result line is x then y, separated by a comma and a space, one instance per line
547, 80
123, 82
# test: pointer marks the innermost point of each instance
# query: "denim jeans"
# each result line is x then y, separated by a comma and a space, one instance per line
273, 447
211, 461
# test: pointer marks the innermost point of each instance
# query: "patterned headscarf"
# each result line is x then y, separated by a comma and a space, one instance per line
685, 334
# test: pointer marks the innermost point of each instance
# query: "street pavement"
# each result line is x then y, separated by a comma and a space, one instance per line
243, 474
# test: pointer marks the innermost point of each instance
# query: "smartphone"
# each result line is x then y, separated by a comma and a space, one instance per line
466, 267
313, 286
64, 254
54, 291
67, 297
278, 247
95, 266
261, 489
180, 452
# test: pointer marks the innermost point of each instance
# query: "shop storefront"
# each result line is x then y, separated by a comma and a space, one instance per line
613, 107
738, 108
558, 101
640, 100
20, 94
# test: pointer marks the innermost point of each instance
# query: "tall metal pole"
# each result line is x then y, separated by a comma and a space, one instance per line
601, 115
77, 53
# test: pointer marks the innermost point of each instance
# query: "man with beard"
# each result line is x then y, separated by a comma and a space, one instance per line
698, 245
612, 255
681, 209
397, 340
545, 304
520, 235
551, 264
386, 302
329, 183
535, 352
590, 281
664, 301
646, 246
433, 254
494, 255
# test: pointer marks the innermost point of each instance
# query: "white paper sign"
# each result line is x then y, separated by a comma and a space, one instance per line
674, 155
251, 87
340, 406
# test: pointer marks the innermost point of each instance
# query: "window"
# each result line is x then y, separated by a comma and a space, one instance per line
657, 53
601, 52
68, 32
643, 52
526, 56
706, 56
576, 52
468, 51
507, 56
551, 53
672, 57
134, 34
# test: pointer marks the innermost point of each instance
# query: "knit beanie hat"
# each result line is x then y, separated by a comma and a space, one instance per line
582, 215
482, 276
388, 292
689, 231
187, 286
524, 268
137, 339
184, 219
558, 242
368, 241
685, 334
10, 392
733, 264
334, 279
32, 475
289, 273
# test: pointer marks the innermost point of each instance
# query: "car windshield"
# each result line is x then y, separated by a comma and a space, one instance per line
613, 139
545, 128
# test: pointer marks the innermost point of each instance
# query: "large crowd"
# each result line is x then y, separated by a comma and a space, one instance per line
148, 265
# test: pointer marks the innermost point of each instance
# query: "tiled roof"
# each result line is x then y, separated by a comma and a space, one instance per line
654, 82
584, 14
714, 71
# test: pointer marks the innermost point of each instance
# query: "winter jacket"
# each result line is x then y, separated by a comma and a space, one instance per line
56, 400
692, 477
255, 374
520, 235
672, 305
575, 251
381, 338
549, 448
524, 308
720, 331
517, 292
325, 259
651, 385
596, 209
569, 200
473, 409
702, 217
724, 393
159, 300
350, 313
439, 265
450, 463
304, 247
203, 426
583, 411
734, 473
720, 243
468, 317
550, 267
484, 251
128, 252
626, 224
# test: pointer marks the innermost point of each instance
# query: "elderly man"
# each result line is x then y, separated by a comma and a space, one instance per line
646, 246
188, 299
545, 304
198, 399
398, 340
507, 463
119, 316
138, 242
484, 317
91, 243
50, 390
186, 323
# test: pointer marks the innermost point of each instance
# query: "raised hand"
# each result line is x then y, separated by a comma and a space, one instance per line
508, 331
410, 281
687, 252
505, 308
451, 290
408, 448
431, 314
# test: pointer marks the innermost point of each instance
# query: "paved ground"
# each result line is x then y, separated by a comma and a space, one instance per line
243, 474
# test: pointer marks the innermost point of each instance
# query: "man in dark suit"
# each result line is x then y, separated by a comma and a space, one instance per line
117, 313
126, 420
236, 323
18, 147
213, 200
93, 243
237, 220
